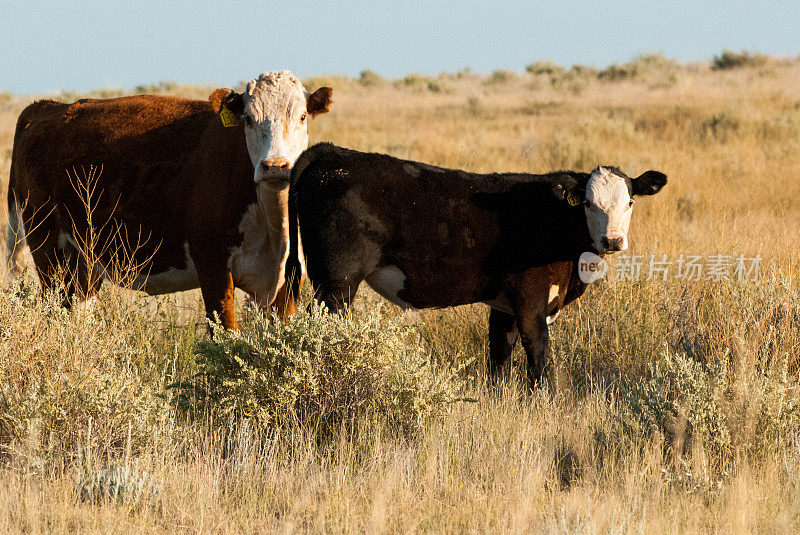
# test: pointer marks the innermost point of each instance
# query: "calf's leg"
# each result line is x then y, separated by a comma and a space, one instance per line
503, 336
337, 295
529, 295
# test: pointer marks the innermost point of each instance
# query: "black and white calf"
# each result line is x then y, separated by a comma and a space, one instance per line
425, 236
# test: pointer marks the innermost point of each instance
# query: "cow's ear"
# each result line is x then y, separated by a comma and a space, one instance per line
227, 98
566, 188
319, 101
648, 183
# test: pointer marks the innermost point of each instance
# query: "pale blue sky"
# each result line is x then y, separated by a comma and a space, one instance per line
48, 45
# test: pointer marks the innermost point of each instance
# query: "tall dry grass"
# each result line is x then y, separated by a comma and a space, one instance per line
673, 406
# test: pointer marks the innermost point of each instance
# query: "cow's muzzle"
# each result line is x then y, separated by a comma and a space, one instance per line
274, 170
613, 244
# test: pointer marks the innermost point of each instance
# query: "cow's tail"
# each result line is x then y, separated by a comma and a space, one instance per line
15, 238
294, 270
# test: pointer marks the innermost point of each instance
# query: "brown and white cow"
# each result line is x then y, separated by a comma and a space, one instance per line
425, 236
193, 193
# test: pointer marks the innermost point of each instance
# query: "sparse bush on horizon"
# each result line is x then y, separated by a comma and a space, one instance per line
370, 78
550, 68
729, 59
421, 83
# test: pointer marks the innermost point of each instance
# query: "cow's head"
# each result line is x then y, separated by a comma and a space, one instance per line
608, 203
275, 109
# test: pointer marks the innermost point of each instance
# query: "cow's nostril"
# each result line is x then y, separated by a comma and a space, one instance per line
605, 243
280, 163
614, 244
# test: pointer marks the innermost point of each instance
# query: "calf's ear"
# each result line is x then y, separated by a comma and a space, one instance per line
567, 189
227, 98
319, 101
648, 183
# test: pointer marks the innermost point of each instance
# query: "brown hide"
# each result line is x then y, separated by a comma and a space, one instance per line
171, 174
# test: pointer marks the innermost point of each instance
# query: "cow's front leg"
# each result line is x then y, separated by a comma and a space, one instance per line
284, 303
216, 284
529, 301
503, 337
535, 337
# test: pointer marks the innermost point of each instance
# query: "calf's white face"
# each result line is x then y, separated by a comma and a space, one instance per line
608, 205
275, 109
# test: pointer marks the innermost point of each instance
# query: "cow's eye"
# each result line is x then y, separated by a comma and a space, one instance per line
587, 204
248, 121
631, 203
303, 117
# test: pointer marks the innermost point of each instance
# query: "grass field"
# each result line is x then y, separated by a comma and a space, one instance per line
674, 406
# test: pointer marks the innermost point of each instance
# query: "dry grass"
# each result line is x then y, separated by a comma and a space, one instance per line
674, 406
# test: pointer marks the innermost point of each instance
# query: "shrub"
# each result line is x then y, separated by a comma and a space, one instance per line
549, 68
695, 404
161, 87
643, 66
735, 60
327, 80
325, 370
584, 70
616, 72
720, 125
500, 77
572, 81
61, 370
369, 78
421, 83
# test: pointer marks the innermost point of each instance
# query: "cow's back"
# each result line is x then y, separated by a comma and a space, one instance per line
148, 158
132, 139
383, 211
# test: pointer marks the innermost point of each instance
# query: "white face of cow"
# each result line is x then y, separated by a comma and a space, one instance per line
608, 205
275, 109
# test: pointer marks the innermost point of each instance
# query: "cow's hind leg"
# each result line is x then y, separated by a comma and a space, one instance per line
59, 265
503, 336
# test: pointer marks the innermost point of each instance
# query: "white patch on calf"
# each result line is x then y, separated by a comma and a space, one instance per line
172, 280
389, 281
608, 208
552, 301
553, 294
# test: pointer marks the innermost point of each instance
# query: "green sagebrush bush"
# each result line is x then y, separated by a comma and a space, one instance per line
326, 370
730, 411
59, 370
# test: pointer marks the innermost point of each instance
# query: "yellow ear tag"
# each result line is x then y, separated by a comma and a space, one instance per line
573, 199
228, 117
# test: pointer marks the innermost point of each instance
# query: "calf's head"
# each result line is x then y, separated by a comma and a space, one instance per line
608, 203
275, 109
